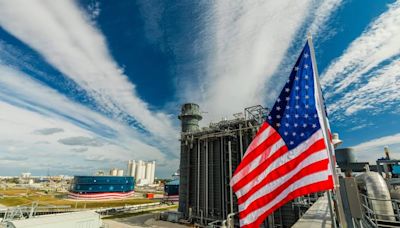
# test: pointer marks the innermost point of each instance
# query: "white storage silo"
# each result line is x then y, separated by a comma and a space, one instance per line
113, 172
129, 170
133, 169
148, 171
120, 173
139, 171
143, 176
153, 171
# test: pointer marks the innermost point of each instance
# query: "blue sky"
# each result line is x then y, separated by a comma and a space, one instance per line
88, 85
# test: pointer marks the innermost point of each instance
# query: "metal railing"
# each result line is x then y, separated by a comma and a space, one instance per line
378, 219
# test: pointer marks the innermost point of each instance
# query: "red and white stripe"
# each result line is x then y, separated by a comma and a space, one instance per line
100, 196
270, 175
173, 198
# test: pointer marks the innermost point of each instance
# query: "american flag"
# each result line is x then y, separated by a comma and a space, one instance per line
289, 155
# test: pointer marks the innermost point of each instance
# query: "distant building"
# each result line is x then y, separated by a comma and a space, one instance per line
113, 172
26, 175
143, 172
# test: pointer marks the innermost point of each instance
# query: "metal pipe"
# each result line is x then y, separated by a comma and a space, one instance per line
240, 141
187, 176
230, 174
230, 221
198, 176
201, 217
206, 171
378, 193
330, 202
222, 177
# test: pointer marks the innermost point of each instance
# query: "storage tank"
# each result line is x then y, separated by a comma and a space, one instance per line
153, 170
120, 173
113, 172
139, 170
129, 169
344, 156
148, 171
143, 176
133, 169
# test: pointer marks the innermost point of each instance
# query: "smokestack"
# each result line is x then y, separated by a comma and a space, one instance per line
190, 117
387, 155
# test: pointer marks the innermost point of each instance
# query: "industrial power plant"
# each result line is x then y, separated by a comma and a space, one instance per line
209, 155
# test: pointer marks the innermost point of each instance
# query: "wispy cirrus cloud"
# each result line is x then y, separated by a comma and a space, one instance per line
28, 105
244, 44
61, 33
321, 16
380, 93
365, 76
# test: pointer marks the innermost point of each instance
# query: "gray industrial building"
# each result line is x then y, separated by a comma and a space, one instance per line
209, 156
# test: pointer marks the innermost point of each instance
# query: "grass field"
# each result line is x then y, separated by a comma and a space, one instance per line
16, 197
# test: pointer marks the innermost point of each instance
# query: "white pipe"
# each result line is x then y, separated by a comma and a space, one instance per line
198, 176
222, 176
377, 188
206, 171
241, 141
229, 220
230, 174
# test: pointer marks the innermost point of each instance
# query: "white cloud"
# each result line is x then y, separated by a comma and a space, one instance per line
322, 14
245, 43
61, 33
381, 92
378, 43
31, 106
373, 149
380, 142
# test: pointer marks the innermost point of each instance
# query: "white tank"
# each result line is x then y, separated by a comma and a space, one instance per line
139, 171
148, 172
153, 170
129, 170
113, 172
143, 168
120, 173
133, 169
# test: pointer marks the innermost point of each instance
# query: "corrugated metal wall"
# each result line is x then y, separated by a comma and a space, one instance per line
205, 194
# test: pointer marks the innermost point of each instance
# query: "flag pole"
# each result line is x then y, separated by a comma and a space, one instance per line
325, 130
